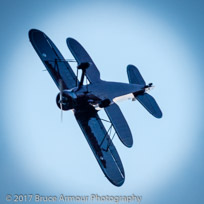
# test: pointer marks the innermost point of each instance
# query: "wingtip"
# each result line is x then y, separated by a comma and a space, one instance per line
69, 40
33, 31
30, 33
131, 66
118, 183
159, 116
128, 143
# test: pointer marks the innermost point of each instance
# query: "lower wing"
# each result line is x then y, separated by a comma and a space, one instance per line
101, 144
120, 125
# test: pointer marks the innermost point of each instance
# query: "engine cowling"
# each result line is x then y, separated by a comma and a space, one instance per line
66, 101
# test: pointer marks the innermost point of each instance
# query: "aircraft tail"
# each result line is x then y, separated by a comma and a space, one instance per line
144, 98
134, 75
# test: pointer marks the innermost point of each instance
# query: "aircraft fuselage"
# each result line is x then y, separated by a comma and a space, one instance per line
104, 90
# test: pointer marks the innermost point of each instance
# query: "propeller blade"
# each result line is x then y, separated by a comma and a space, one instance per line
61, 97
61, 113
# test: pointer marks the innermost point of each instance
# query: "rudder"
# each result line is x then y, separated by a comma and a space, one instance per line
134, 75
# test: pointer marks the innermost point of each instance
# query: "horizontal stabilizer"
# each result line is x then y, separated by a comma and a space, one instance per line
120, 125
134, 75
150, 104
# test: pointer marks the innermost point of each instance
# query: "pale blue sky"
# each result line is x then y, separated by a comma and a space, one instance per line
164, 39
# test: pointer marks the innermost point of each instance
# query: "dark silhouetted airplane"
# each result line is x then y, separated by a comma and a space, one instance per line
87, 100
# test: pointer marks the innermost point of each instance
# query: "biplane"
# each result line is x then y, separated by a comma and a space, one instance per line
85, 100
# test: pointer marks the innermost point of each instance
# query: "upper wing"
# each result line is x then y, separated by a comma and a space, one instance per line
81, 55
101, 144
120, 125
53, 60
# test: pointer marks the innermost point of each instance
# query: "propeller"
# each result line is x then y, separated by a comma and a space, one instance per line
61, 99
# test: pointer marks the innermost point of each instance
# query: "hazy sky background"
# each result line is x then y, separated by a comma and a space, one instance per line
164, 39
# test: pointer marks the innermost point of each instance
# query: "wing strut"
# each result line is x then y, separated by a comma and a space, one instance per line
83, 66
108, 133
119, 123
